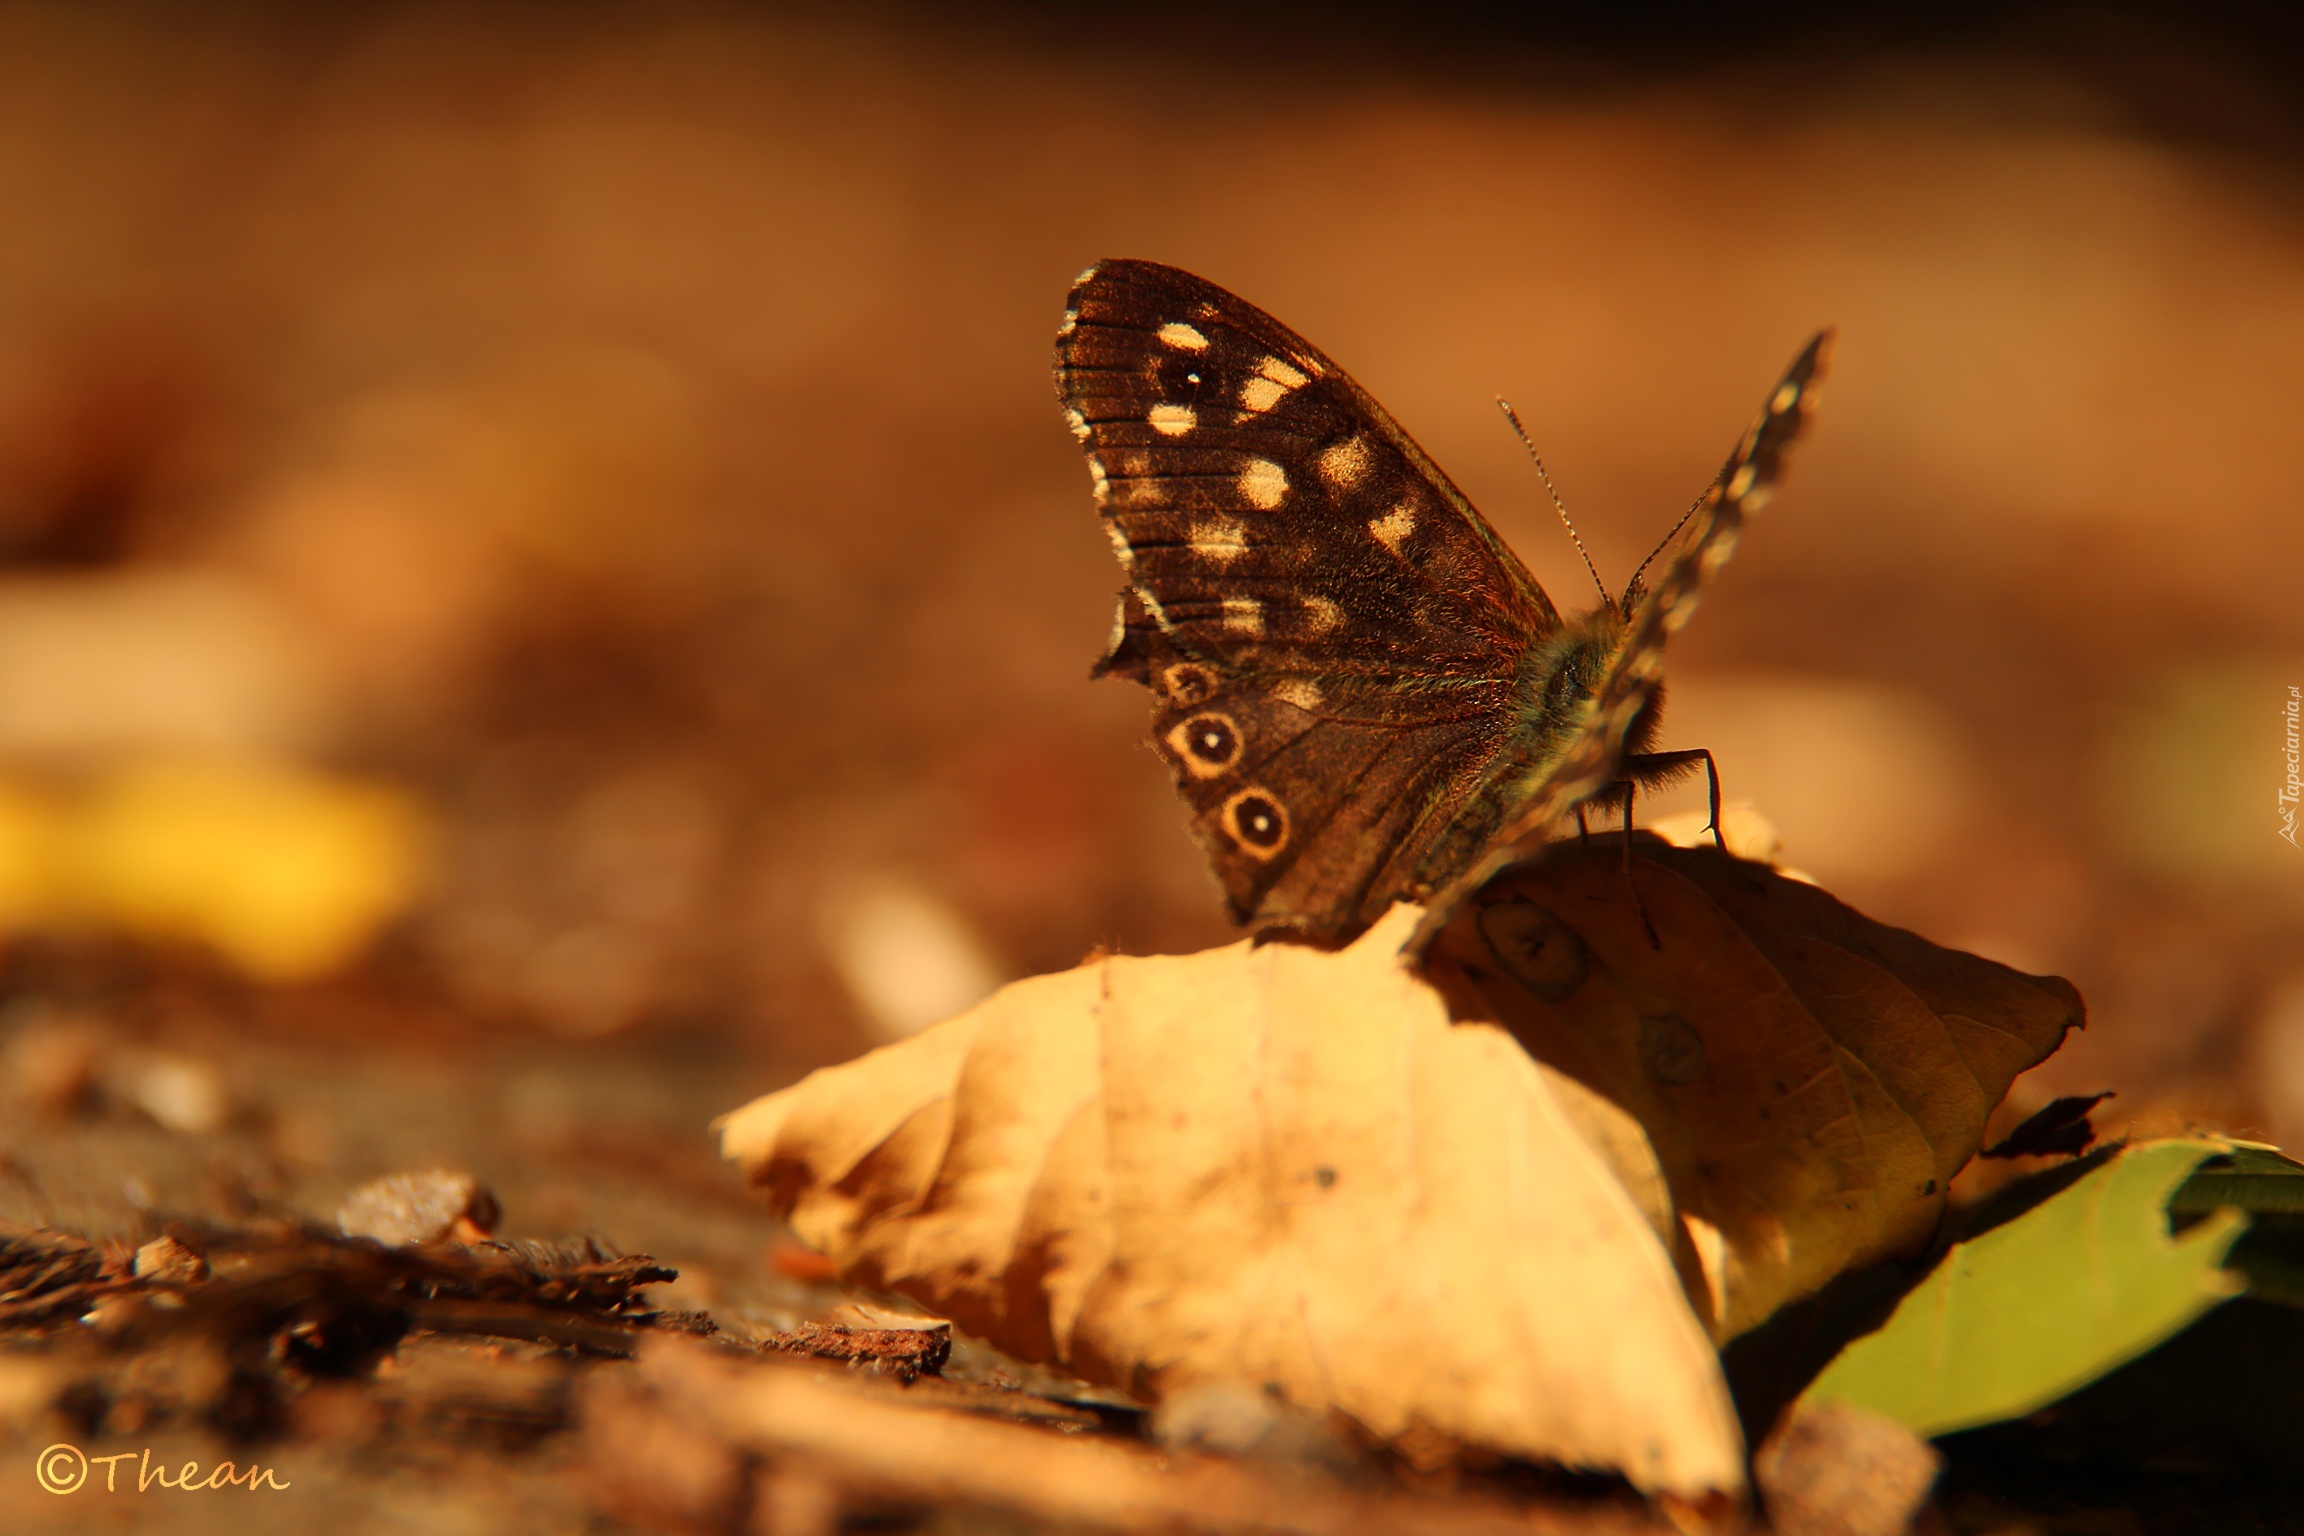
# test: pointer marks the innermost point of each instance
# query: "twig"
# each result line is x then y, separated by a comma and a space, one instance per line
877, 1445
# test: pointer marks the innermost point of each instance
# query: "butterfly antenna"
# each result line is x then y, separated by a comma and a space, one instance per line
1666, 543
1558, 505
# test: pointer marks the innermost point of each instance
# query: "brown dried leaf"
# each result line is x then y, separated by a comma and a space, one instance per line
239, 1328
1810, 1080
1275, 1164
904, 1353
49, 1277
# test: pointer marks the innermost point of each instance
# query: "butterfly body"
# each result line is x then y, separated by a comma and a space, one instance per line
1363, 694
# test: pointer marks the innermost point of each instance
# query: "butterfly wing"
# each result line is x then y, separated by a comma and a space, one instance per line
1593, 750
1332, 633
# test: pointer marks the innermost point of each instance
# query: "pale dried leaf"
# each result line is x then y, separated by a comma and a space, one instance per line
1275, 1164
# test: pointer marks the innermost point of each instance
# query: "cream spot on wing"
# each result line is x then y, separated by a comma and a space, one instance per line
1758, 498
1787, 396
1085, 274
1099, 482
1261, 394
1244, 615
1120, 545
1322, 616
1077, 422
1345, 465
1119, 628
1172, 420
1219, 539
1296, 691
1264, 483
1281, 374
1392, 529
1741, 482
1188, 338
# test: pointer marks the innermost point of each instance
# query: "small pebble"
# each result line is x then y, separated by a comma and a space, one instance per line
184, 1095
169, 1262
1833, 1469
1227, 1417
51, 1067
403, 1209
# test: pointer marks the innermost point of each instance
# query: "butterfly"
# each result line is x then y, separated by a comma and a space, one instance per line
1364, 696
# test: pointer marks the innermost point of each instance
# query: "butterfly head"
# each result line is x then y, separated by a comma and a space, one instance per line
1560, 673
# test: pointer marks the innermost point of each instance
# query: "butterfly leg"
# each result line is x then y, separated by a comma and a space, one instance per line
1654, 768
1632, 790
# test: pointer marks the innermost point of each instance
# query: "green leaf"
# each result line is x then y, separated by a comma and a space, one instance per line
2258, 1180
2023, 1314
2246, 1175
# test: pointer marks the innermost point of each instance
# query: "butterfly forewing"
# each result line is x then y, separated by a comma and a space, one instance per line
1262, 501
1331, 630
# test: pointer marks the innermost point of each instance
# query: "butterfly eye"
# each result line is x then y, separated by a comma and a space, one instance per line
1208, 744
1257, 822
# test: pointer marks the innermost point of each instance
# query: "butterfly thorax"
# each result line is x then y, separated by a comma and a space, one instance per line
1553, 694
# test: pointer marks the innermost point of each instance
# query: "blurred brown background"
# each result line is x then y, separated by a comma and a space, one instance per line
549, 526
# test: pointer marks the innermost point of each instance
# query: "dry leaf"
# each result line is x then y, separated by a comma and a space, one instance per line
1275, 1164
1809, 1080
1319, 1173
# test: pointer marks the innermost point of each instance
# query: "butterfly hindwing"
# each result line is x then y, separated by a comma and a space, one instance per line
1277, 782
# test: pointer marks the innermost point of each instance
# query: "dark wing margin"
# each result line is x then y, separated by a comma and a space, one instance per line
1594, 753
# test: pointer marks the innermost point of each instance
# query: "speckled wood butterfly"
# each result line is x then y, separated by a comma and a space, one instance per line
1364, 695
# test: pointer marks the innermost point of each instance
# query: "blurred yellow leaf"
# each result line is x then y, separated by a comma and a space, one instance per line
286, 872
1272, 1164
30, 860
